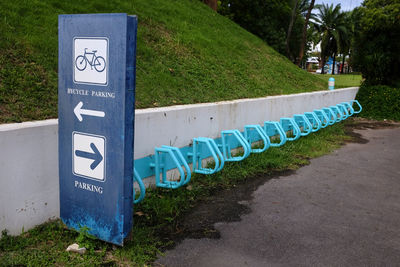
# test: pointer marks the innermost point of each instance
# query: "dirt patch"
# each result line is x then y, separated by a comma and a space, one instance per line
225, 205
362, 124
351, 126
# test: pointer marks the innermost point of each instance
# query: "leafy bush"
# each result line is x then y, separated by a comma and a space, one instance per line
379, 102
377, 41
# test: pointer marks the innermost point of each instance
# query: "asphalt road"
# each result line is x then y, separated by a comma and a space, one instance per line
341, 210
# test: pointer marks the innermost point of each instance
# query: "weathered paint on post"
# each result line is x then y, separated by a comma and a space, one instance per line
97, 57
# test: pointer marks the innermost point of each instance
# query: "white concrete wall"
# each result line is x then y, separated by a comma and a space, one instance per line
29, 192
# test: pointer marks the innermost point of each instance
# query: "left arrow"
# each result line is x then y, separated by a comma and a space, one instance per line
95, 156
79, 111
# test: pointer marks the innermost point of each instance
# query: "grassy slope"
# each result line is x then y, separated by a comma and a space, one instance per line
186, 54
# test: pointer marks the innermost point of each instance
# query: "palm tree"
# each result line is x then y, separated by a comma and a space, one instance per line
330, 23
304, 35
300, 7
346, 38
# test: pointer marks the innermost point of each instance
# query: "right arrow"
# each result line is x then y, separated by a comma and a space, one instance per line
96, 156
79, 111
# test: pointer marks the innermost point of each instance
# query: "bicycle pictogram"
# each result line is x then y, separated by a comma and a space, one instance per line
98, 62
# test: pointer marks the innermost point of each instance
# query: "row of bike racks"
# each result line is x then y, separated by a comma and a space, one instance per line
271, 134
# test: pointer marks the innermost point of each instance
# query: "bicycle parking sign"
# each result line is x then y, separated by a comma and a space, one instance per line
90, 60
96, 107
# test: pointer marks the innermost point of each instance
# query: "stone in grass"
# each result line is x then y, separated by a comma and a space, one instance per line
75, 248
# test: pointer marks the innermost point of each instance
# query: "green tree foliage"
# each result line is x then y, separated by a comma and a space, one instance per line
377, 41
268, 19
290, 28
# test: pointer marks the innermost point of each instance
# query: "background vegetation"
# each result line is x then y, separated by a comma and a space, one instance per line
279, 23
377, 55
380, 102
265, 18
377, 41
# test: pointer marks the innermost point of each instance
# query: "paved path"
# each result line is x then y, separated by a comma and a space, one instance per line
341, 210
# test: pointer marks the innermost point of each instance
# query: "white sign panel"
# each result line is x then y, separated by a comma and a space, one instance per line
88, 158
90, 60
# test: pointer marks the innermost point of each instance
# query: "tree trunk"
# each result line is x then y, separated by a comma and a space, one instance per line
211, 3
304, 37
333, 63
323, 65
289, 33
344, 56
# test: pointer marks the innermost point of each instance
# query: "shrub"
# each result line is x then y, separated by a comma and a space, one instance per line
379, 102
377, 41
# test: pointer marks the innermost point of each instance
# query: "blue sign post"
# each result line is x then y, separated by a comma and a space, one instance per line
96, 92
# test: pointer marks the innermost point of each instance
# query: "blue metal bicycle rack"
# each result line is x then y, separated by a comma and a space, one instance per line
167, 158
142, 188
349, 108
160, 167
254, 133
343, 110
331, 115
358, 104
289, 125
314, 120
323, 118
337, 113
303, 123
226, 147
272, 129
200, 144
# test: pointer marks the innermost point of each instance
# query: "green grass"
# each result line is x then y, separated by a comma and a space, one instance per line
186, 54
343, 80
157, 218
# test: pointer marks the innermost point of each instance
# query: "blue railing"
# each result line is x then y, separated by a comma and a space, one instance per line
272, 134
